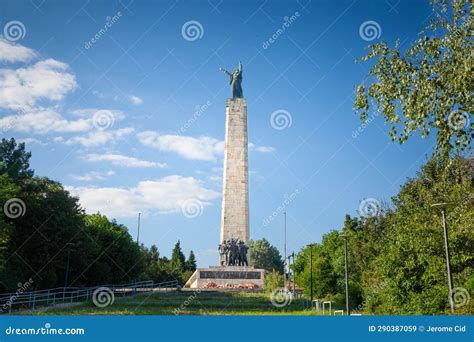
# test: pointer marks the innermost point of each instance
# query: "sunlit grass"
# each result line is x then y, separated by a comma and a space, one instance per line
185, 303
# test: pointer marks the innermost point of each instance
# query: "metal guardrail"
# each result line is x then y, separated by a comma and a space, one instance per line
63, 295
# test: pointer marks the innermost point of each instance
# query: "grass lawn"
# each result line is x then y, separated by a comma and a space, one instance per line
183, 303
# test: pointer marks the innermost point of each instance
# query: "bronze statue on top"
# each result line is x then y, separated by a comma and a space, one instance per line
235, 81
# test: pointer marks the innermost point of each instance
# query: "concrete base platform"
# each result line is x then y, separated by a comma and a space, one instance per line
230, 277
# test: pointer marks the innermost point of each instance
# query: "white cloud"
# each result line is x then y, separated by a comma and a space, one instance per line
135, 100
215, 178
42, 121
262, 149
202, 148
45, 120
22, 88
29, 141
93, 175
163, 196
12, 52
121, 160
97, 138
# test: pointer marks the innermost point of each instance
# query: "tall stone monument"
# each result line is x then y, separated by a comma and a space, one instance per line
235, 189
233, 271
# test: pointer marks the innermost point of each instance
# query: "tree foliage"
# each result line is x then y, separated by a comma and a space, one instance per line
264, 255
396, 259
429, 86
52, 228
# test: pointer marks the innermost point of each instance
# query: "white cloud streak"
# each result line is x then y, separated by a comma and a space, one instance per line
11, 52
164, 196
121, 160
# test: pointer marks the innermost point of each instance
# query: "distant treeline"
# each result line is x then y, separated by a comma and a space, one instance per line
43, 226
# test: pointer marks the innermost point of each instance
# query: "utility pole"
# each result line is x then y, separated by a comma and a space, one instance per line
290, 273
284, 259
346, 275
138, 232
294, 275
443, 207
311, 271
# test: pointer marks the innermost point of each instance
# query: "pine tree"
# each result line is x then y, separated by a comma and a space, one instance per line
177, 258
191, 262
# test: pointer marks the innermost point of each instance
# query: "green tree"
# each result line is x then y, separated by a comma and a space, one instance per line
429, 86
409, 274
190, 264
8, 191
38, 246
273, 280
15, 161
154, 254
178, 259
264, 255
324, 282
117, 258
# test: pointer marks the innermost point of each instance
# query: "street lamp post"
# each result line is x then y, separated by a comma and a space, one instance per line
284, 259
346, 274
311, 271
443, 207
289, 271
138, 229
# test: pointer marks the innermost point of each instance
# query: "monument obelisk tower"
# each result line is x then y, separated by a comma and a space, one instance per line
233, 271
235, 191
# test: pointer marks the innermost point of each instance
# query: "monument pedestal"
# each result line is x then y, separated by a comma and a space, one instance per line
227, 277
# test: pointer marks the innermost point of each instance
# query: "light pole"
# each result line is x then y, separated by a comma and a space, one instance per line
289, 271
284, 259
443, 207
311, 271
138, 232
346, 273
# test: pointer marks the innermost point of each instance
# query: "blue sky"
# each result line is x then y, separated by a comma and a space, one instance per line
134, 120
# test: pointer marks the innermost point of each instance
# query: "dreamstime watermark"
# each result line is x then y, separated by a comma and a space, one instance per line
199, 111
287, 22
461, 297
459, 120
363, 126
20, 290
281, 208
14, 208
109, 22
192, 30
281, 119
103, 296
14, 30
370, 207
103, 119
370, 30
192, 208
280, 297
187, 302
46, 330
